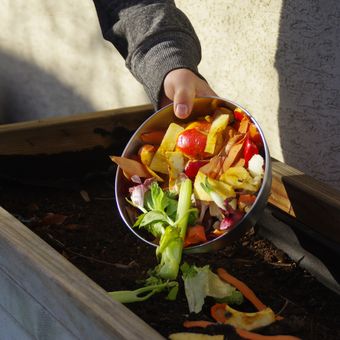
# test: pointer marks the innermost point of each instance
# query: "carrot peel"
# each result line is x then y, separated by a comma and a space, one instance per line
197, 323
195, 235
218, 312
153, 137
242, 287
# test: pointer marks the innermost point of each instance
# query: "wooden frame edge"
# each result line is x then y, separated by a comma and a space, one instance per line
66, 294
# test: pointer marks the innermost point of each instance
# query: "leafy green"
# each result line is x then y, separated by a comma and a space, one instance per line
159, 200
200, 282
170, 253
157, 229
219, 289
171, 243
154, 222
195, 285
160, 211
187, 270
141, 294
167, 219
193, 216
183, 208
235, 298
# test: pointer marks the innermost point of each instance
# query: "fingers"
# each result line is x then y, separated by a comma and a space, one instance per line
181, 86
184, 100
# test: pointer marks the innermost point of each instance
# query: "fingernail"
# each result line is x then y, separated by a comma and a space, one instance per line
181, 110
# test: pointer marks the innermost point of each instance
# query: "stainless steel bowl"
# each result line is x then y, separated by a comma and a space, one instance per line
161, 119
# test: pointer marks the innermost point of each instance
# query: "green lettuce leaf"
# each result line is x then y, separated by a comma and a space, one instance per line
200, 282
159, 200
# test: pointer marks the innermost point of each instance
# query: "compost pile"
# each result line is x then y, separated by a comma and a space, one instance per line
68, 200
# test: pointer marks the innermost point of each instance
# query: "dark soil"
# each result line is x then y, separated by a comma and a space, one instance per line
69, 202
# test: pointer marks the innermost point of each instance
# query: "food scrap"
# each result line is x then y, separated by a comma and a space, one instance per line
189, 184
221, 154
242, 322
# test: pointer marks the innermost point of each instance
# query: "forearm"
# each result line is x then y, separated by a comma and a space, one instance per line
154, 37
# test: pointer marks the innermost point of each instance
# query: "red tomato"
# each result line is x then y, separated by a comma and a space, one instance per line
192, 167
250, 149
239, 114
192, 143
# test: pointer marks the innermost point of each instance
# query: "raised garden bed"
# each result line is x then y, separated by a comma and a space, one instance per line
57, 182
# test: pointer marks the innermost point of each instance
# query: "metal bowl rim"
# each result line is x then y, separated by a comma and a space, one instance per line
260, 195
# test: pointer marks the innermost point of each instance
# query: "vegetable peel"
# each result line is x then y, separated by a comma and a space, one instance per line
200, 282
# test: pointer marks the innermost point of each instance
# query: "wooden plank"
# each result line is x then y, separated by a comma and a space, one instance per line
80, 306
293, 192
311, 202
27, 314
10, 328
72, 133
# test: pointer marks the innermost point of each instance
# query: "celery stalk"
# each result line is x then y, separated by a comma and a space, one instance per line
171, 259
184, 203
171, 243
141, 294
169, 251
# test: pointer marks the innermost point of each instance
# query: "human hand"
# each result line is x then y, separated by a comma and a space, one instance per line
181, 86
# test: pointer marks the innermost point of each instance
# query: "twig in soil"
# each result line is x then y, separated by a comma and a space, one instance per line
90, 258
283, 307
60, 244
117, 265
288, 300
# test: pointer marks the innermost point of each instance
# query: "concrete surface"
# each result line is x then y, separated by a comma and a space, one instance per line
278, 58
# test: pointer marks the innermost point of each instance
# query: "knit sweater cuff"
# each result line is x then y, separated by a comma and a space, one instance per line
155, 59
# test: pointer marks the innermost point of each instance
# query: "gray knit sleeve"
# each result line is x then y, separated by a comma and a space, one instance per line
153, 36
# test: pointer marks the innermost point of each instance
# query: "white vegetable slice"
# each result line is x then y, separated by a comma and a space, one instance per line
255, 166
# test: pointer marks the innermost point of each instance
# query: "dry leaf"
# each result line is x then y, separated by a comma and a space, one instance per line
51, 218
234, 154
130, 167
74, 226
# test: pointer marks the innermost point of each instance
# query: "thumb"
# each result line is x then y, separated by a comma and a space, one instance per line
184, 101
